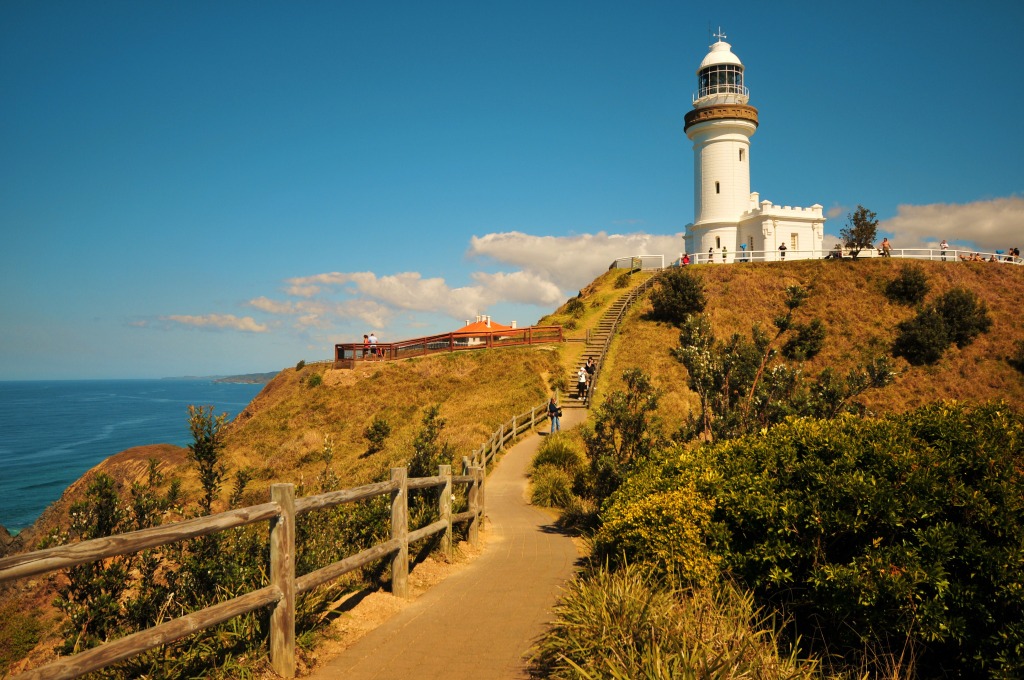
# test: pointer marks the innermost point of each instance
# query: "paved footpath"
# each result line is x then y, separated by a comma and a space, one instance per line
480, 622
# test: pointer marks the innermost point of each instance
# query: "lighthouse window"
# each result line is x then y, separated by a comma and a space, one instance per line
721, 79
718, 189
741, 155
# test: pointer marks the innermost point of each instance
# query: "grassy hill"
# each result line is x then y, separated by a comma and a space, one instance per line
280, 436
860, 321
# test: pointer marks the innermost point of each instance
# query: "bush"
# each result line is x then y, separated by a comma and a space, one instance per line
1016, 360
679, 294
314, 380
663, 528
551, 487
575, 307
558, 451
906, 530
622, 280
624, 624
299, 366
922, 339
958, 316
808, 341
909, 287
965, 315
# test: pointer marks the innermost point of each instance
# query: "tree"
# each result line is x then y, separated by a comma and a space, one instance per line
679, 294
861, 230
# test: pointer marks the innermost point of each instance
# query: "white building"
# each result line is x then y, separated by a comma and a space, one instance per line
727, 214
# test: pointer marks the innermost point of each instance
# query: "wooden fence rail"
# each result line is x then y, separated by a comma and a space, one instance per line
281, 512
346, 355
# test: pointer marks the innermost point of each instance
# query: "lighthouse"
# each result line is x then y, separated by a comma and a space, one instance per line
730, 222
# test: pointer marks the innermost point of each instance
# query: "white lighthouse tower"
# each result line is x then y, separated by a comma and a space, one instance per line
727, 215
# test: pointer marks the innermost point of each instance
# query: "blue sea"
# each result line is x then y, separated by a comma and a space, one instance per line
52, 431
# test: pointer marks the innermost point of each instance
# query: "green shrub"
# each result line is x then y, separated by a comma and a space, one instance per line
551, 487
625, 625
965, 315
314, 380
1016, 360
558, 450
806, 343
622, 280
679, 293
922, 339
906, 530
575, 307
377, 433
19, 634
909, 287
299, 366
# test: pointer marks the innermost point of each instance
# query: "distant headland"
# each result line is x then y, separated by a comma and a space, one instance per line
246, 379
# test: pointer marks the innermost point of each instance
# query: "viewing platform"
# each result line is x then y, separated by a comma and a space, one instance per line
347, 355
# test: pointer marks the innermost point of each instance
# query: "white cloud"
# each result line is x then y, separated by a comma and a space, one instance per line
219, 321
571, 262
988, 225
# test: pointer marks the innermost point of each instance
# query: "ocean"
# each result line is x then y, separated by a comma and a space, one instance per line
52, 431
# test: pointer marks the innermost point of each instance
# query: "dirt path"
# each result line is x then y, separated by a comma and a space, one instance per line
481, 621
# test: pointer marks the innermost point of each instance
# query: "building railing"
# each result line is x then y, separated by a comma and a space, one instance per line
791, 254
641, 262
280, 594
346, 355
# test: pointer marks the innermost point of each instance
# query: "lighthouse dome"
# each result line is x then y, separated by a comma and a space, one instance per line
720, 54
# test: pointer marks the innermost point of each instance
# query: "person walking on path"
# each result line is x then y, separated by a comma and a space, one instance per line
943, 247
886, 248
554, 413
591, 368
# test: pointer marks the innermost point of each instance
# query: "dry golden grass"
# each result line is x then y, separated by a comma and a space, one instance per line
848, 297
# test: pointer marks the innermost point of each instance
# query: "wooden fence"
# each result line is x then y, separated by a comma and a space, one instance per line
280, 594
347, 354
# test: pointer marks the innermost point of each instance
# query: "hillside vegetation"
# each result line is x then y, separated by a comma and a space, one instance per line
283, 435
871, 532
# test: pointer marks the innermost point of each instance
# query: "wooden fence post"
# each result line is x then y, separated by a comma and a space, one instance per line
282, 575
400, 531
445, 510
474, 506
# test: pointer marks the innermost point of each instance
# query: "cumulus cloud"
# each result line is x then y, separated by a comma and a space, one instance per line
219, 322
985, 225
570, 262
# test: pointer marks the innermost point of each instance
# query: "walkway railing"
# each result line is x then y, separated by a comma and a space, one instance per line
284, 585
932, 254
630, 299
346, 355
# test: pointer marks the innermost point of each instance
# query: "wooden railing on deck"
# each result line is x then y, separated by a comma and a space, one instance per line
347, 354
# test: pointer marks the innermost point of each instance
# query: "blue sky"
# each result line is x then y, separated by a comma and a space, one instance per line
225, 187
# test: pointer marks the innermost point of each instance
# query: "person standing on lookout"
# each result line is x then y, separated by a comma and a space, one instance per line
886, 248
782, 252
943, 247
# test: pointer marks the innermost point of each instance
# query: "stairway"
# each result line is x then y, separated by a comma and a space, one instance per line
598, 340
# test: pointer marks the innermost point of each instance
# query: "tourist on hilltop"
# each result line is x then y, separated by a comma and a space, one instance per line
591, 368
554, 413
723, 254
374, 350
886, 248
686, 259
782, 252
366, 346
581, 383
711, 255
943, 247
743, 254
